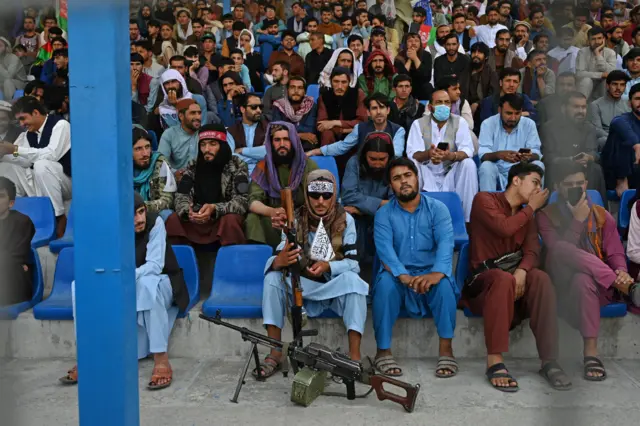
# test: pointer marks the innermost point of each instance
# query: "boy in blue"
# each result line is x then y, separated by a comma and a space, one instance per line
414, 241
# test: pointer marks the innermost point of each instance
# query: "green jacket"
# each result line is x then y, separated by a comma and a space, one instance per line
159, 199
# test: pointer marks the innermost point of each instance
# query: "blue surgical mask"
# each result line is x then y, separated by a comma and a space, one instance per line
441, 112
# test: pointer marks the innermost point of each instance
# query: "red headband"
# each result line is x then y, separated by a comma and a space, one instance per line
213, 134
386, 137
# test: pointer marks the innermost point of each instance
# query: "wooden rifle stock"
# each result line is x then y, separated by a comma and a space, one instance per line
408, 402
286, 198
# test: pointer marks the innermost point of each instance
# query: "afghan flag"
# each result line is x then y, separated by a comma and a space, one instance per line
63, 15
44, 54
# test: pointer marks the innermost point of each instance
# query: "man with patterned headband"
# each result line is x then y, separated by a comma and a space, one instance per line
212, 197
285, 164
326, 245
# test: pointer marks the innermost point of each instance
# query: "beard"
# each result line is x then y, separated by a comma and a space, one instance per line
441, 41
407, 197
476, 65
377, 173
280, 160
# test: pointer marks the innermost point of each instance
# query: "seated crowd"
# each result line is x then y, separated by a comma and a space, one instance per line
500, 108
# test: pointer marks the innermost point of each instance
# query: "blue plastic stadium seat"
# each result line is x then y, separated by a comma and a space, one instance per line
594, 196
238, 294
454, 204
18, 94
11, 312
612, 195
1, 96
313, 90
624, 212
328, 163
462, 271
613, 310
56, 246
58, 306
40, 210
187, 261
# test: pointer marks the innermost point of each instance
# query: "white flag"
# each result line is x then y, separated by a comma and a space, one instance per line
171, 185
321, 249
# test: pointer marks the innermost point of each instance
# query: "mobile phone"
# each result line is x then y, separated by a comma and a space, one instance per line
578, 156
196, 208
443, 146
524, 150
574, 195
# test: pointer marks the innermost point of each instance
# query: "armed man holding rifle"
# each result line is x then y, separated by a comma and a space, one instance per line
325, 246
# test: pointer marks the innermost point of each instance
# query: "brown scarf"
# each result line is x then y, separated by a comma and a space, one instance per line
334, 221
591, 239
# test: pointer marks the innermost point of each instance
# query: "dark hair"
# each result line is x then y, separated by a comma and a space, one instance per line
153, 23
310, 19
134, 21
401, 162
523, 170
59, 39
60, 52
473, 9
177, 58
136, 57
360, 12
7, 185
139, 133
580, 11
324, 9
191, 51
533, 12
420, 11
514, 100
56, 31
381, 18
50, 18
503, 2
535, 52
29, 17
244, 100
298, 78
635, 32
33, 86
270, 6
225, 61
634, 89
594, 31
480, 47
378, 98
508, 72
458, 15
288, 33
617, 75
227, 17
452, 34
354, 37
573, 95
632, 54
27, 105
447, 81
284, 65
236, 50
345, 18
492, 9
501, 32
145, 44
340, 71
566, 74
238, 26
197, 21
538, 37
567, 167
54, 97
400, 78
296, 3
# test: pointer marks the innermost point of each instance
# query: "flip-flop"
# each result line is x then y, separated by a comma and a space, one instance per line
268, 368
553, 373
593, 364
447, 363
492, 374
69, 379
159, 372
386, 363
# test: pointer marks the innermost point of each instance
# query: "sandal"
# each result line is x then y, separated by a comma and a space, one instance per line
593, 364
71, 378
493, 374
555, 376
267, 369
160, 372
386, 364
446, 363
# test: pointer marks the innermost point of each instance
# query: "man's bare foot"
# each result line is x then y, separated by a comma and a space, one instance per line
591, 350
71, 378
447, 365
385, 363
162, 374
621, 186
500, 382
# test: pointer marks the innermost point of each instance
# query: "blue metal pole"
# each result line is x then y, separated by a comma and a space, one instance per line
103, 211
226, 6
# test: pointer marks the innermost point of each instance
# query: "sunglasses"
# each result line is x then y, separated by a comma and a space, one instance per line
254, 107
324, 195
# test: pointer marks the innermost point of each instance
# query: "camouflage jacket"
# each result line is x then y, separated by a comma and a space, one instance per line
235, 189
159, 199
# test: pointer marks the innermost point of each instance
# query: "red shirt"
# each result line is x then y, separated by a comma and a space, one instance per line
495, 231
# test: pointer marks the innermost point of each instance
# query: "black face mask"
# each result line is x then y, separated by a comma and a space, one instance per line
188, 63
574, 195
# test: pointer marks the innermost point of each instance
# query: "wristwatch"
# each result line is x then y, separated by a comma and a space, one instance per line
15, 151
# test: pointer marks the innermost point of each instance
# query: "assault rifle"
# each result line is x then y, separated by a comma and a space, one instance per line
318, 360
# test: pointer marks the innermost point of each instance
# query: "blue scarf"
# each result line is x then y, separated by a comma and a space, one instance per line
142, 180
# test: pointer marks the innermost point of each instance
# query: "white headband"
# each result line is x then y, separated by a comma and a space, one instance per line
320, 186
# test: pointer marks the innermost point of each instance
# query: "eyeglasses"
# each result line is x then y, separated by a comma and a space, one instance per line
317, 195
254, 107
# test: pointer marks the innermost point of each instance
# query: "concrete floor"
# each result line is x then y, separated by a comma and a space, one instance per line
201, 390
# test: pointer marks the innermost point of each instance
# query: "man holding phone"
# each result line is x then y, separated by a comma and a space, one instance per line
585, 259
440, 145
571, 137
506, 139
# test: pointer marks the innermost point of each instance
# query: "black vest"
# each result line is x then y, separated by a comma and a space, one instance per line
171, 267
367, 127
45, 138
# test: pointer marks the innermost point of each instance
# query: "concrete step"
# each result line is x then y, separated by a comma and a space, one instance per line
193, 337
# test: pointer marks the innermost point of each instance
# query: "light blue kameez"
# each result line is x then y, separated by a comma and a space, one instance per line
344, 293
156, 312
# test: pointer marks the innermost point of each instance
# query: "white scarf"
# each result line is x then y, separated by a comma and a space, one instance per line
252, 42
165, 107
325, 75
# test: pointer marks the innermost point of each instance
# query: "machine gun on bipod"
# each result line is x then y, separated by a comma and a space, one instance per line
318, 360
